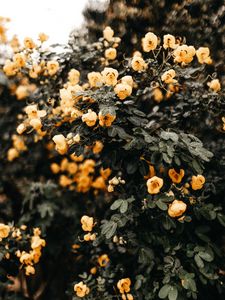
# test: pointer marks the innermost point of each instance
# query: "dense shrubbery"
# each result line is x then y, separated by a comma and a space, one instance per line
112, 168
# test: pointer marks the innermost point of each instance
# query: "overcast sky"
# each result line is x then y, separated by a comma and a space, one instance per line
54, 17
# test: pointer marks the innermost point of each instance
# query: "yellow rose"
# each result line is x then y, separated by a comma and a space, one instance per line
19, 60
106, 119
168, 76
10, 68
29, 43
52, 67
203, 55
81, 289
149, 42
42, 37
110, 76
90, 118
169, 41
214, 85
103, 260
61, 143
12, 154
98, 146
154, 185
4, 231
157, 95
138, 64
110, 53
95, 79
29, 270
197, 182
124, 285
37, 242
123, 90
128, 80
184, 54
176, 208
74, 76
108, 34
87, 223
174, 176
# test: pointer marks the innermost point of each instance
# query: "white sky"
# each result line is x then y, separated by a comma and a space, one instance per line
56, 18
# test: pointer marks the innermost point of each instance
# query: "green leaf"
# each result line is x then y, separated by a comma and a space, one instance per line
161, 205
164, 291
123, 207
173, 293
116, 204
199, 261
221, 219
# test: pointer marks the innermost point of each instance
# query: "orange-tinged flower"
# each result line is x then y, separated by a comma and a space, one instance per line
90, 118
74, 76
110, 76
52, 67
157, 95
81, 289
197, 182
103, 260
138, 64
87, 223
168, 76
149, 42
124, 285
123, 90
106, 119
176, 208
214, 85
169, 41
110, 53
95, 79
203, 55
154, 185
4, 231
61, 143
108, 33
184, 54
29, 270
175, 176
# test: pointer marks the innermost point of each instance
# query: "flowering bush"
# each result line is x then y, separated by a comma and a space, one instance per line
118, 158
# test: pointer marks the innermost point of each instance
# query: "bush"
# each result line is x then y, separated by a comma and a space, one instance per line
115, 164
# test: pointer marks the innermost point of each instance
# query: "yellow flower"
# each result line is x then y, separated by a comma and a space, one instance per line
36, 123
176, 208
197, 182
90, 118
61, 143
12, 154
110, 76
203, 55
65, 181
108, 34
95, 79
123, 90
87, 223
29, 270
4, 231
110, 53
81, 289
184, 54
21, 92
10, 68
128, 80
37, 242
149, 42
138, 64
74, 76
157, 95
124, 285
43, 37
169, 41
103, 260
154, 185
29, 43
55, 168
98, 146
21, 128
106, 119
174, 176
19, 60
26, 258
214, 85
52, 67
168, 76
89, 237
